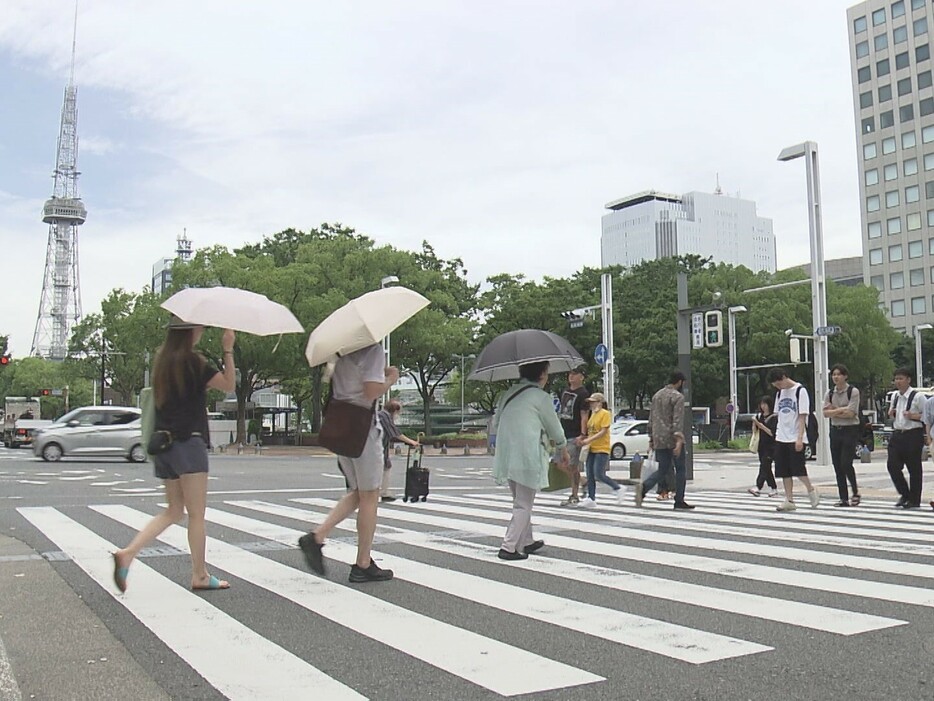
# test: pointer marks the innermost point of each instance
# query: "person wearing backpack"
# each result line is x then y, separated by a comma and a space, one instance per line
842, 408
792, 404
907, 441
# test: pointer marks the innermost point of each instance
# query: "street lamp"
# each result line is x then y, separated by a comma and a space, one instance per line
462, 359
808, 150
919, 378
386, 282
731, 326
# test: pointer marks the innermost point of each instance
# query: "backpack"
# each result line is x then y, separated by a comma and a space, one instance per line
811, 426
864, 423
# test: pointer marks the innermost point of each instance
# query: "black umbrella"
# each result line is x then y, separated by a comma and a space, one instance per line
501, 358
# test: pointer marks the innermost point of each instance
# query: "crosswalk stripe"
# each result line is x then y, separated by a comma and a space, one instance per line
765, 607
191, 627
885, 591
655, 536
496, 666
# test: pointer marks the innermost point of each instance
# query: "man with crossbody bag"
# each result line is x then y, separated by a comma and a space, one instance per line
842, 408
907, 441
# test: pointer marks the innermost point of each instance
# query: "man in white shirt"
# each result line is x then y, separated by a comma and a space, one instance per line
907, 441
792, 404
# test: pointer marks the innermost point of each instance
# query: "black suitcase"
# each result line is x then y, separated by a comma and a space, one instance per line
416, 476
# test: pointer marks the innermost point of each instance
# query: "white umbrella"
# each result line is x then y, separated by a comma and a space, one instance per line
232, 308
362, 322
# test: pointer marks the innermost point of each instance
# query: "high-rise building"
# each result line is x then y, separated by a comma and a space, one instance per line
893, 99
162, 268
651, 225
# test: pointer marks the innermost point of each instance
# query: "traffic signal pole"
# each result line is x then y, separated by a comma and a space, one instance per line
684, 365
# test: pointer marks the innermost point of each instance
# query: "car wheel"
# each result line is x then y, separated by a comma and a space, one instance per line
618, 452
52, 452
137, 454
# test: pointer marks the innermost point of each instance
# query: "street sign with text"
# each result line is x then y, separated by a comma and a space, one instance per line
697, 330
827, 330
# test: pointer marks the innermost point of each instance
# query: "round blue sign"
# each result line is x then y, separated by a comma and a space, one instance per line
600, 354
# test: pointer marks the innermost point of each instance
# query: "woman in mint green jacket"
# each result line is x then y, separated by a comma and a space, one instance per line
525, 422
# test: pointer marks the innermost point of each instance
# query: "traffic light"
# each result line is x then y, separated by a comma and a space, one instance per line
44, 393
713, 329
5, 359
575, 318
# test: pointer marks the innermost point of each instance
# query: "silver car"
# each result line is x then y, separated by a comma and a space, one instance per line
93, 431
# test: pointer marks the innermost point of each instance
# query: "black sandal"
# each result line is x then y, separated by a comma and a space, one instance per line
854, 500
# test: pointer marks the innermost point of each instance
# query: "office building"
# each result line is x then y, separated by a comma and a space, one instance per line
162, 268
893, 100
651, 225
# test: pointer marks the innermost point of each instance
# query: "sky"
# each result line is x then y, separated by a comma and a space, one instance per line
497, 131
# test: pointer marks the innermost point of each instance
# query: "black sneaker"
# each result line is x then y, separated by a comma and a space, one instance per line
534, 546
387, 498
369, 574
683, 506
506, 555
901, 502
311, 549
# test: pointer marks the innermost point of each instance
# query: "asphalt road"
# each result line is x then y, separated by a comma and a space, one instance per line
731, 601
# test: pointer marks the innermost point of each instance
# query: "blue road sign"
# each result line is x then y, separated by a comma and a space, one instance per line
600, 354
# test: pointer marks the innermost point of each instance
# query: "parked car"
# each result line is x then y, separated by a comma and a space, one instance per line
630, 437
97, 431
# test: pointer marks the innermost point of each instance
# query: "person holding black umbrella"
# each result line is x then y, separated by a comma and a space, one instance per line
525, 423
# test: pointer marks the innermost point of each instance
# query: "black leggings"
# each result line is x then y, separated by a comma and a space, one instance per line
765, 470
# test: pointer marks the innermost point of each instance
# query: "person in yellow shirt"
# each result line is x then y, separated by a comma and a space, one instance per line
597, 441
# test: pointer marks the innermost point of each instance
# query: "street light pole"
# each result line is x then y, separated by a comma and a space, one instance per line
919, 375
386, 282
609, 367
731, 327
808, 150
462, 359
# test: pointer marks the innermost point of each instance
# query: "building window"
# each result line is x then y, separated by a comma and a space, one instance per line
900, 34
906, 113
914, 221
875, 230
893, 226
875, 256
882, 67
880, 42
859, 25
872, 203
915, 249
924, 80
864, 74
865, 100
929, 190
926, 106
885, 93
896, 281
869, 125
904, 87
869, 151
895, 253
890, 172
927, 134
878, 17
912, 194
931, 223
922, 53
898, 10
862, 49
910, 166
920, 26
909, 139
888, 145
878, 281
872, 176
898, 307
917, 305
901, 61
917, 4
886, 119
916, 277
891, 199
929, 161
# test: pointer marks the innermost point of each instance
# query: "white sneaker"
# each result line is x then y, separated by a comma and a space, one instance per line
814, 496
588, 504
620, 495
753, 491
773, 493
786, 506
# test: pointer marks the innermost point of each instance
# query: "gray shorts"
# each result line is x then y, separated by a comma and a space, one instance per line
183, 458
365, 473
574, 453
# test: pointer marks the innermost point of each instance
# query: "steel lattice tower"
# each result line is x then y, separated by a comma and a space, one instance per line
60, 304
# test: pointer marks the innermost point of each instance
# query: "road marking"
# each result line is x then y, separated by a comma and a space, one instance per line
768, 608
496, 666
190, 626
31, 482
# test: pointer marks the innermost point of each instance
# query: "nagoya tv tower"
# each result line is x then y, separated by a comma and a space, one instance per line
60, 305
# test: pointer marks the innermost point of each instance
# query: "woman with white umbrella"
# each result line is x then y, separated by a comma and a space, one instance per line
525, 420
180, 380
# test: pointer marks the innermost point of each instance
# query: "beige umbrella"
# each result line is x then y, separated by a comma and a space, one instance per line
232, 308
362, 322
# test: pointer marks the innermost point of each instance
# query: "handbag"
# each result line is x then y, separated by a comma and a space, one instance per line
159, 442
754, 441
345, 427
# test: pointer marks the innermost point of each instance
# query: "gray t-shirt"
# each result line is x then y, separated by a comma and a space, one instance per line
351, 371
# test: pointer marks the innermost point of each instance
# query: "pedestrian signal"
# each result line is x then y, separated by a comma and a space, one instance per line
45, 393
713, 329
5, 359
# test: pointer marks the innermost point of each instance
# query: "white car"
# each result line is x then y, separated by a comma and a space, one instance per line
630, 437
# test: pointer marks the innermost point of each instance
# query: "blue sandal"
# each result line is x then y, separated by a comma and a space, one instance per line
120, 574
213, 583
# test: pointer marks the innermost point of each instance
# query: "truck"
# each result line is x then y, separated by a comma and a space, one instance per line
20, 420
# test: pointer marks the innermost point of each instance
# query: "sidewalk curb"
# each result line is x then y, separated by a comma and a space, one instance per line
9, 689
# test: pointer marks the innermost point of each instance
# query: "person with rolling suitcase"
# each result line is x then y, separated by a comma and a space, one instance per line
416, 476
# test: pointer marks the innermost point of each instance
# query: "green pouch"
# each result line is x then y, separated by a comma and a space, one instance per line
557, 479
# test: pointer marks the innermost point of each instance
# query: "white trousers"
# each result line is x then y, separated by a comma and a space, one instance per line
519, 530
